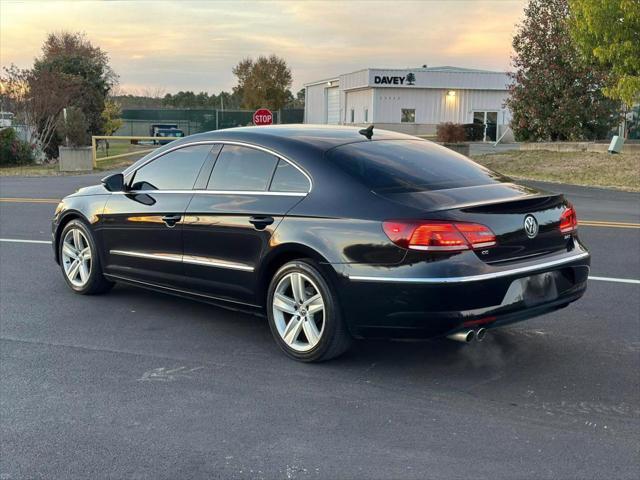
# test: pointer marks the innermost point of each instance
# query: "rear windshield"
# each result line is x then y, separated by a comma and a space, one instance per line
393, 166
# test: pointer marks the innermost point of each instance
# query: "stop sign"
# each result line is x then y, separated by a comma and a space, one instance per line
263, 116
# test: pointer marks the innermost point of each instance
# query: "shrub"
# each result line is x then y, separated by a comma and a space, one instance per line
474, 132
450, 133
14, 151
74, 128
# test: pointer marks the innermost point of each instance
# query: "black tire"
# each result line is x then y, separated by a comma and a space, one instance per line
96, 282
334, 336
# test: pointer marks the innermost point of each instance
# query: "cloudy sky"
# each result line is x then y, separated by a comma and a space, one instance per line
192, 45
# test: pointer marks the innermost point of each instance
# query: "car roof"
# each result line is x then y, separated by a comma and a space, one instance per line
295, 141
322, 137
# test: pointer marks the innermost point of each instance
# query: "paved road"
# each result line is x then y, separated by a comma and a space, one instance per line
135, 384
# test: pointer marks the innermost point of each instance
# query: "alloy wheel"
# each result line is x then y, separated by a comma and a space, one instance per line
76, 257
298, 311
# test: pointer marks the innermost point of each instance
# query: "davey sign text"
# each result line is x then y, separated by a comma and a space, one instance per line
408, 79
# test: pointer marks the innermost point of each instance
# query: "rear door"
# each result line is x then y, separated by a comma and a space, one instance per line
228, 227
142, 227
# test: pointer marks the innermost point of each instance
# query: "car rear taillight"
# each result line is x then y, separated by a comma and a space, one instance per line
439, 236
568, 220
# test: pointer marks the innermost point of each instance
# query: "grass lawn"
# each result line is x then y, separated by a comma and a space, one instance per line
578, 168
30, 171
116, 148
52, 169
120, 147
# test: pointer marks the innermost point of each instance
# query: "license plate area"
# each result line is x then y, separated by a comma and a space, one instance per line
532, 290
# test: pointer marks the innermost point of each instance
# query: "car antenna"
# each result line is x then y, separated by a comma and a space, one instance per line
367, 132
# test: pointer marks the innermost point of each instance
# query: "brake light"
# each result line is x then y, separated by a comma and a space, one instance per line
439, 236
568, 220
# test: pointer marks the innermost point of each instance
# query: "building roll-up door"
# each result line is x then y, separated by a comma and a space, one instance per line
333, 105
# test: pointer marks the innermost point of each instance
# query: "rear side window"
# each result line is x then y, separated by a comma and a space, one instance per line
242, 168
288, 178
409, 165
176, 170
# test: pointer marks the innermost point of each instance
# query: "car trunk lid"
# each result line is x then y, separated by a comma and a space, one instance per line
526, 221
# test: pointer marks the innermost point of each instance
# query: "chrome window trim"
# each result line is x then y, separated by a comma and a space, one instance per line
470, 278
128, 172
213, 192
190, 259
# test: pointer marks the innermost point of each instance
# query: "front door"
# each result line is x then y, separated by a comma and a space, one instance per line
489, 120
228, 227
142, 227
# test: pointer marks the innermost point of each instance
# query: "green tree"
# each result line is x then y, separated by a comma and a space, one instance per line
111, 117
264, 82
37, 101
608, 31
73, 128
555, 94
73, 55
297, 101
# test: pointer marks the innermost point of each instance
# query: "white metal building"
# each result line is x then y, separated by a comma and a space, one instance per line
412, 101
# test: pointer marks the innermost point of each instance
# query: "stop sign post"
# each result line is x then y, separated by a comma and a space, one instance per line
262, 116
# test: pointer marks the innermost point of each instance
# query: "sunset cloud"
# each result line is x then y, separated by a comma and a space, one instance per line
193, 45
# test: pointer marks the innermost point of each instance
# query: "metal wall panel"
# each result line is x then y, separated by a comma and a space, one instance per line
315, 104
433, 106
443, 79
357, 79
333, 105
359, 101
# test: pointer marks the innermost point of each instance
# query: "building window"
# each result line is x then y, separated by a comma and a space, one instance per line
366, 115
353, 115
408, 115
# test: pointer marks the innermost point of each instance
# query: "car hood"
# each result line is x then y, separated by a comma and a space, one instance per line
90, 190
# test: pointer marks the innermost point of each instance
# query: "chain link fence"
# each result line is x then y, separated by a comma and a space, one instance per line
138, 122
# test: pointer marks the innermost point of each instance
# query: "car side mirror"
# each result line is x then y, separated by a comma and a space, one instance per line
114, 183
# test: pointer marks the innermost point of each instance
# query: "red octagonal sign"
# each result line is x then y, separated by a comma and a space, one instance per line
263, 116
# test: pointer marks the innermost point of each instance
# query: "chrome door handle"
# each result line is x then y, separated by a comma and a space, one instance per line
171, 220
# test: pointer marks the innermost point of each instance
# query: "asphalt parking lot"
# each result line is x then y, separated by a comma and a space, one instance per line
136, 384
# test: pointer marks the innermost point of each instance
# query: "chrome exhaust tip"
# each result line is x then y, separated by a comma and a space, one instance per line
464, 336
480, 334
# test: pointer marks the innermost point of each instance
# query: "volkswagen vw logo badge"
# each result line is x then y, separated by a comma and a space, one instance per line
530, 226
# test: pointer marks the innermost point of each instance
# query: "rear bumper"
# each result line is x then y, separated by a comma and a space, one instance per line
388, 305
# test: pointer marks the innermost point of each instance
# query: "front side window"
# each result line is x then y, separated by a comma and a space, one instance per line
176, 170
288, 178
408, 115
242, 168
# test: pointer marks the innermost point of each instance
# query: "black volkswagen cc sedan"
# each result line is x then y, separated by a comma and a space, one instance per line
337, 233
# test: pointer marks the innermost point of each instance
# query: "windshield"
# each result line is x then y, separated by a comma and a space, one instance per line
409, 165
169, 133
